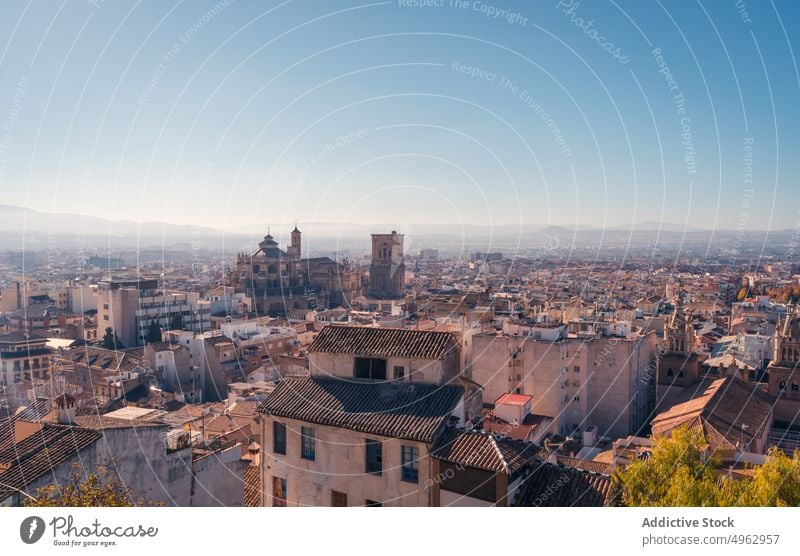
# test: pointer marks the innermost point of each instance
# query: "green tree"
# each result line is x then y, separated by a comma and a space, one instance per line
153, 332
176, 323
678, 474
94, 489
111, 340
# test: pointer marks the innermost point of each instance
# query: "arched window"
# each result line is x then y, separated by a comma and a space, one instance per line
670, 373
782, 385
680, 374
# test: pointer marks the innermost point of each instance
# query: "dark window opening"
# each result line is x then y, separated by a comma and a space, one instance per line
307, 449
278, 438
372, 503
338, 499
410, 466
399, 372
370, 367
374, 451
278, 492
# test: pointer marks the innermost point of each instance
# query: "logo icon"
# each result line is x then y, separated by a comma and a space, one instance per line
31, 529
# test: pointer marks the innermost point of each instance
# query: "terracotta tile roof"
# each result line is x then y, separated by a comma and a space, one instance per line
383, 342
35, 411
721, 407
252, 486
414, 411
513, 399
585, 464
102, 422
39, 454
482, 450
550, 485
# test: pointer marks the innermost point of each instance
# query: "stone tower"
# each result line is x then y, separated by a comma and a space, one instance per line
678, 365
784, 369
387, 271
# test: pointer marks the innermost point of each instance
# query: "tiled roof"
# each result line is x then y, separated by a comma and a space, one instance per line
550, 485
39, 454
729, 410
15, 337
585, 464
252, 486
34, 412
403, 410
102, 422
382, 342
482, 450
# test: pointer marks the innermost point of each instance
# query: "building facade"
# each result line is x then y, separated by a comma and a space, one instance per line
387, 270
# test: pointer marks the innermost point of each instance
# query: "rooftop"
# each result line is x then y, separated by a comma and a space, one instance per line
382, 342
414, 411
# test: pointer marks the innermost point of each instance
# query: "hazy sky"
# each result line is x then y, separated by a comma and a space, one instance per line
232, 112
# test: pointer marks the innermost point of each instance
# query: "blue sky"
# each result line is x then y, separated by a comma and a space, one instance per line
239, 112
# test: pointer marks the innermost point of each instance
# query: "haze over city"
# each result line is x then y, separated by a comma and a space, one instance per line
467, 254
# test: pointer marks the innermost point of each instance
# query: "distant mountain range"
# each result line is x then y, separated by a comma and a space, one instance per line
29, 228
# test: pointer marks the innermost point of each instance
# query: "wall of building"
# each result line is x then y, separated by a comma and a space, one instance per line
416, 370
577, 382
340, 466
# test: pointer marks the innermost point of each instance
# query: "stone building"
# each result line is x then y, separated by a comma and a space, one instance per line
784, 382
359, 431
280, 281
388, 269
678, 364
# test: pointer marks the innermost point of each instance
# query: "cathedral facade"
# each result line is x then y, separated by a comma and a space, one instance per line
280, 281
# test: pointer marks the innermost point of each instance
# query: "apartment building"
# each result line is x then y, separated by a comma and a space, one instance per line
131, 308
593, 376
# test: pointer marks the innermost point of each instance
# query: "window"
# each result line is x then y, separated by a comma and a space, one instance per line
399, 372
369, 367
374, 451
372, 503
278, 438
338, 499
795, 387
782, 385
670, 372
410, 467
307, 448
576, 368
278, 492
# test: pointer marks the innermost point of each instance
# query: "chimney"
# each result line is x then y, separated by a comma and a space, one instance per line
254, 449
64, 409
